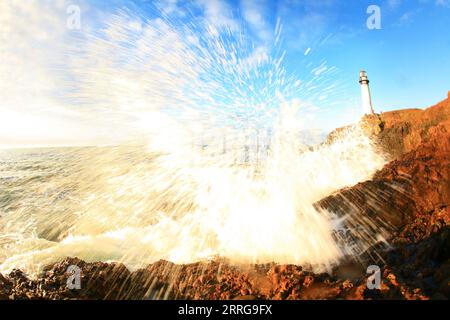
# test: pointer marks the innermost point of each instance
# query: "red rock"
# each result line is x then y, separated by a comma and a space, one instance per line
409, 198
308, 281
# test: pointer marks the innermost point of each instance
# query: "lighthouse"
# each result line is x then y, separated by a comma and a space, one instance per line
365, 93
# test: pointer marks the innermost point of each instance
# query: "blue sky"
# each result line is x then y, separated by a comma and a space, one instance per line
407, 59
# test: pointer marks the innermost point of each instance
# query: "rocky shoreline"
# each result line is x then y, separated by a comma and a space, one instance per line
410, 195
412, 271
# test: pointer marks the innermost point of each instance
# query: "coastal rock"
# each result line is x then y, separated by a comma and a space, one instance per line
402, 131
409, 200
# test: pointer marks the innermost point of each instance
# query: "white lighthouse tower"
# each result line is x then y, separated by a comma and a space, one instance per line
365, 93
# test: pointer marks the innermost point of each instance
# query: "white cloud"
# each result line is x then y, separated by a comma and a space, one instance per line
406, 18
310, 29
34, 77
170, 7
439, 3
30, 35
167, 6
443, 3
320, 69
394, 4
257, 57
253, 12
218, 13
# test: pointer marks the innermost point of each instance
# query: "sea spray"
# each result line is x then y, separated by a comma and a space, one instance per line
210, 159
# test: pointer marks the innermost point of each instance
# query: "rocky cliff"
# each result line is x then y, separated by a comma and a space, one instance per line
409, 198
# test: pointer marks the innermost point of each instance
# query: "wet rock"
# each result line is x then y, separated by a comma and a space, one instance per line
409, 199
5, 288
